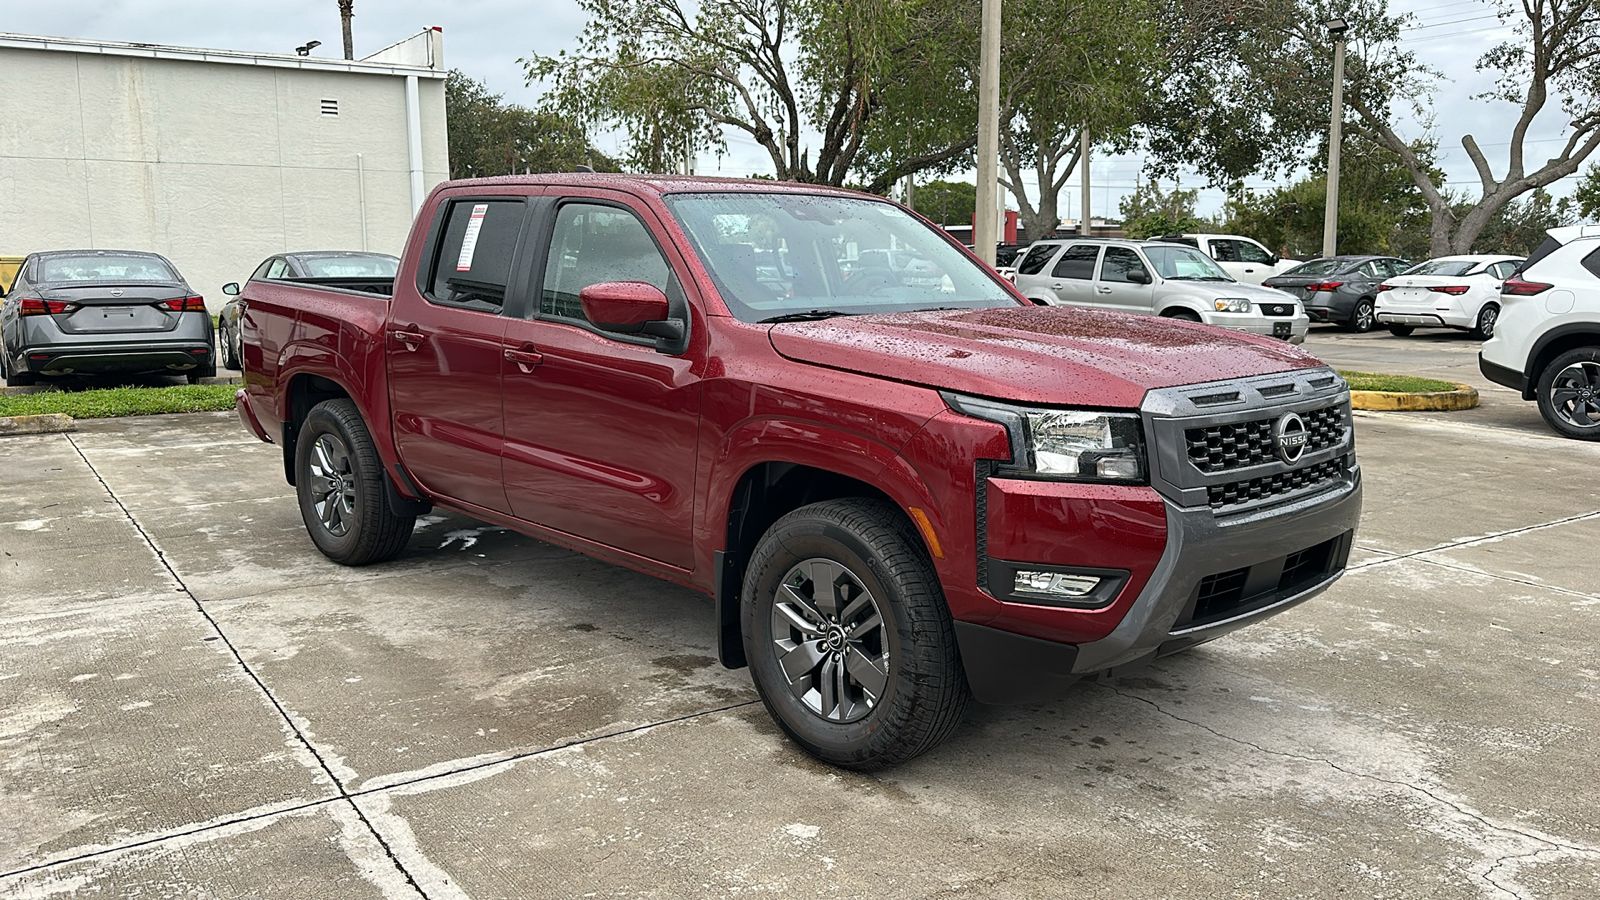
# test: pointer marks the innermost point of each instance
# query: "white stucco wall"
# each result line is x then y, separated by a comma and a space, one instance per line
214, 164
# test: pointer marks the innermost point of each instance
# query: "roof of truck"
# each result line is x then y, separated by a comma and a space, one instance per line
658, 184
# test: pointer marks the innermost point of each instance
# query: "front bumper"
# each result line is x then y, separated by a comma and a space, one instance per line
171, 357
1215, 576
1266, 326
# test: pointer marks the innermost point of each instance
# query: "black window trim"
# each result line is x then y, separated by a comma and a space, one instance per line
544, 234
429, 260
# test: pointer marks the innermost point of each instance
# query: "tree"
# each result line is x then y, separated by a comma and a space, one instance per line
773, 69
491, 137
1520, 226
947, 202
1587, 195
1151, 212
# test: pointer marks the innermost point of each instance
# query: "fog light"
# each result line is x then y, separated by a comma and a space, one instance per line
1053, 584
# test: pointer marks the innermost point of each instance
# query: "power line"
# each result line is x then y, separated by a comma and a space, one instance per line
1437, 37
1445, 6
1451, 22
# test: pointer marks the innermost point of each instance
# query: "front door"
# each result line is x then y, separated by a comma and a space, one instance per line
601, 430
1117, 288
444, 350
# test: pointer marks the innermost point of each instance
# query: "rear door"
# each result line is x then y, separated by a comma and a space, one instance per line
601, 429
1072, 276
443, 346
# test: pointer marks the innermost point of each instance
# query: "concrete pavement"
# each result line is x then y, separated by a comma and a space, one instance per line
193, 702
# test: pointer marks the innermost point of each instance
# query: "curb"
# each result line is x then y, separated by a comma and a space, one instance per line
1465, 396
47, 423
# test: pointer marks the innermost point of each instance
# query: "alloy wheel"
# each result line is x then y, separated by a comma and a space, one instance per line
828, 638
1575, 394
1487, 320
333, 484
1362, 320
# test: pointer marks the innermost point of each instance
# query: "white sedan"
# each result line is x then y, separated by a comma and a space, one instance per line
1447, 292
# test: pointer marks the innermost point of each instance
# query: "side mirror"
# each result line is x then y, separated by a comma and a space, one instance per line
1139, 276
231, 289
632, 307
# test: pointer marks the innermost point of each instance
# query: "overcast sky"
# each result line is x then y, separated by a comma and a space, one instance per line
484, 38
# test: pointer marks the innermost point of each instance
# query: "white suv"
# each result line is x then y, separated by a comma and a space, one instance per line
1243, 258
1547, 342
1155, 278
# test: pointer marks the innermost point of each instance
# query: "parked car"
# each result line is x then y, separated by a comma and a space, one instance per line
77, 312
1547, 340
1245, 259
355, 270
1450, 292
1340, 289
1154, 278
8, 272
899, 496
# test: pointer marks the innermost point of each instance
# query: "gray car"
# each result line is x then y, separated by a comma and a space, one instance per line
356, 270
1155, 278
88, 312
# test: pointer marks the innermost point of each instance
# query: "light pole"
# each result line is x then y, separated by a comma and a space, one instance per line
986, 218
1330, 219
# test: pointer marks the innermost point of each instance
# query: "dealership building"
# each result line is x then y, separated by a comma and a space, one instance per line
213, 158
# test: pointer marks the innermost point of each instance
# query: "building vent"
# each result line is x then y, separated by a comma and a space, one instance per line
330, 107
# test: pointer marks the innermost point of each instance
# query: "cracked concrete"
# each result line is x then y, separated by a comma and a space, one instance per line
193, 702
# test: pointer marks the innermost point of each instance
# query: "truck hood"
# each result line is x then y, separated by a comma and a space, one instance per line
1039, 355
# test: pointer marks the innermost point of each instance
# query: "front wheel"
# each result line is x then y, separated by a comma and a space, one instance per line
1402, 330
1487, 318
1569, 394
1182, 315
1361, 318
339, 480
849, 640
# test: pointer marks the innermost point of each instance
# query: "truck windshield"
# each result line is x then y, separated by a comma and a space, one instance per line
1176, 263
780, 254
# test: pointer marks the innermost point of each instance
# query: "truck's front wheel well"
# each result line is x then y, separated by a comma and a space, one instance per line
305, 392
764, 494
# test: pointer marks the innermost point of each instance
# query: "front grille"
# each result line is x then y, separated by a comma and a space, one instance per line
1277, 309
1239, 591
1219, 594
1219, 448
1235, 492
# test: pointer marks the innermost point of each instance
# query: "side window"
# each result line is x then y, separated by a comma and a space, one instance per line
595, 243
1119, 262
1504, 270
1252, 253
1225, 251
261, 270
1369, 269
1592, 263
1077, 262
1395, 267
1035, 261
472, 265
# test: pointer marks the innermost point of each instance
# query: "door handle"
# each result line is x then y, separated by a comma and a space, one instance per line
1057, 286
1102, 290
412, 339
525, 359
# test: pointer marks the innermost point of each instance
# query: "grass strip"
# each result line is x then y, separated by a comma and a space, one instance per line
105, 403
1406, 384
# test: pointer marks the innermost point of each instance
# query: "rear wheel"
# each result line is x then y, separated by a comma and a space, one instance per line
1361, 318
1402, 330
16, 379
850, 643
1569, 393
339, 480
225, 346
1488, 317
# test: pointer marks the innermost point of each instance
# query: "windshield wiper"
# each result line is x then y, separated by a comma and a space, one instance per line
810, 315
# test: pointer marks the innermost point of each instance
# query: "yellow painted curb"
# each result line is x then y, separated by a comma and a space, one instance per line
1465, 396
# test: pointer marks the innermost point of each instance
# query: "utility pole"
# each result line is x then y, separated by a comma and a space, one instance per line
1084, 230
985, 226
346, 13
1330, 219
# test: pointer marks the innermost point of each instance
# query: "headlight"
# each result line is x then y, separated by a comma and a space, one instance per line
1072, 445
1233, 304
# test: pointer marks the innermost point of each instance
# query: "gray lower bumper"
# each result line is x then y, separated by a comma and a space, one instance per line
1216, 575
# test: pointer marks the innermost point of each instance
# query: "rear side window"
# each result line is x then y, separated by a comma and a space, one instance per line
1077, 262
1037, 258
1592, 263
1225, 251
472, 267
595, 243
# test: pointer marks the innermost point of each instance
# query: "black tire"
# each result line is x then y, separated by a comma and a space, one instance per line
225, 346
1569, 393
872, 551
1402, 330
1361, 318
1182, 315
353, 525
17, 379
237, 344
1488, 318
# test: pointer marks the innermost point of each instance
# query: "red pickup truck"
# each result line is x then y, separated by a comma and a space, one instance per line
904, 486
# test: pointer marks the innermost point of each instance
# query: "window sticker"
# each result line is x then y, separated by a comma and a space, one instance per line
469, 243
